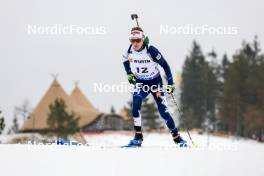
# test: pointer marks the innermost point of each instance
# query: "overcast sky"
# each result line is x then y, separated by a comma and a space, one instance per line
28, 60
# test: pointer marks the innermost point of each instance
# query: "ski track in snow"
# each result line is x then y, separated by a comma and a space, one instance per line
158, 156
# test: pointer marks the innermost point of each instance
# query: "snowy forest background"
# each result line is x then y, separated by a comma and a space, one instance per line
218, 93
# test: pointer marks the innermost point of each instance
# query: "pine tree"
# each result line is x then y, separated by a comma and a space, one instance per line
193, 88
200, 88
15, 127
225, 67
60, 121
213, 74
223, 75
2, 122
253, 117
242, 102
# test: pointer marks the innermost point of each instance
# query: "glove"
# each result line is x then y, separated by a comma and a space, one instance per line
131, 78
170, 88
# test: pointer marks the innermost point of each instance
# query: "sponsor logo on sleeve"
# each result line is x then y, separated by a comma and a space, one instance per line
158, 56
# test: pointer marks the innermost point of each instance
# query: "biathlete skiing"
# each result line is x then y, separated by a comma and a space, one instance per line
141, 62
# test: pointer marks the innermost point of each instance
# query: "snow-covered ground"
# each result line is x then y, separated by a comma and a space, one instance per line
158, 156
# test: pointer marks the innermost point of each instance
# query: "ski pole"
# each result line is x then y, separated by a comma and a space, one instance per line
135, 16
180, 114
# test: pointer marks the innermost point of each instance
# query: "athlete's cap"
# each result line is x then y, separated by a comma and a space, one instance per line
136, 34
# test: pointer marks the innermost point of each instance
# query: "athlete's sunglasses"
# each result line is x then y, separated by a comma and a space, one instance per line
135, 40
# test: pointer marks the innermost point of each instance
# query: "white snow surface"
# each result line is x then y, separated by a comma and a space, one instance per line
158, 156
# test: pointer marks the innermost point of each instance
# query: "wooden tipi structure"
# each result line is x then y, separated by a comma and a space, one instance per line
76, 103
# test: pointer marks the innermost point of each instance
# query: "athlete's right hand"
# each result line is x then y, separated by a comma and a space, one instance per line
170, 88
131, 78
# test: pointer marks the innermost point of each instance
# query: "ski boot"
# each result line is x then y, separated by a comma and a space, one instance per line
136, 142
178, 140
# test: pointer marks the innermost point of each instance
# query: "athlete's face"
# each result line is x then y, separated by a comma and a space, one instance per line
136, 43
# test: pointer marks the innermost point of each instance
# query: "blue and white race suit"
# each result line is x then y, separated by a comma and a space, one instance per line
144, 65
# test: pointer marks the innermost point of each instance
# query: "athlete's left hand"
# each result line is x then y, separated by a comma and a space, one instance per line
131, 78
170, 88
